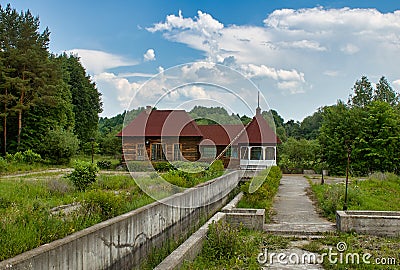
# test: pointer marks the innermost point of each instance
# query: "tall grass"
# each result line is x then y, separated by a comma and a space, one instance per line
26, 221
263, 197
379, 192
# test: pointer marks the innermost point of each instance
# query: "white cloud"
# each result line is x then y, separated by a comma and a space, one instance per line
350, 49
149, 55
114, 86
396, 84
203, 23
331, 73
293, 45
96, 61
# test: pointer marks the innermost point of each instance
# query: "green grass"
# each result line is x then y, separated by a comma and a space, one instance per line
25, 203
378, 247
376, 193
264, 196
22, 167
234, 248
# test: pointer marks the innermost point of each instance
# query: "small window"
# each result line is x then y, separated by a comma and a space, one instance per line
270, 153
256, 153
177, 151
157, 152
232, 152
140, 151
244, 153
208, 151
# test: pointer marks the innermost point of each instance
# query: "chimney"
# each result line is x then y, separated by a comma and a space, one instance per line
148, 109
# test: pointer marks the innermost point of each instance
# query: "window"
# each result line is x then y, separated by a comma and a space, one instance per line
270, 153
208, 151
232, 152
157, 151
244, 153
177, 151
256, 153
140, 151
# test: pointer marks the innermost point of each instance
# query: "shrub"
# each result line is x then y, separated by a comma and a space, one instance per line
59, 145
264, 195
162, 166
3, 165
104, 164
216, 169
222, 241
83, 175
31, 157
106, 204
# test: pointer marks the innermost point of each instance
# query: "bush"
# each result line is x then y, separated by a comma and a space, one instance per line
222, 241
31, 157
103, 203
104, 164
27, 156
264, 195
83, 175
3, 165
59, 145
162, 166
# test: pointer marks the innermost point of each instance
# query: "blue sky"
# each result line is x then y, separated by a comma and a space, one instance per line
301, 54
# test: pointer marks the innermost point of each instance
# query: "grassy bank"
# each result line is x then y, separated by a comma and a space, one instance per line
379, 192
264, 196
227, 247
384, 251
29, 216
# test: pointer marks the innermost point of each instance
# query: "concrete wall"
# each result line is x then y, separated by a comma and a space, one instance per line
187, 251
382, 223
125, 241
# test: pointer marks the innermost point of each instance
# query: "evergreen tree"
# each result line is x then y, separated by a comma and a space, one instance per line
363, 93
384, 92
86, 99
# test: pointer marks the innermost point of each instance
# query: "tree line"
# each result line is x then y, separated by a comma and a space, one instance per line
365, 129
47, 101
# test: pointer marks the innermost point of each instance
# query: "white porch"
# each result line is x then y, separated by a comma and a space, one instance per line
257, 157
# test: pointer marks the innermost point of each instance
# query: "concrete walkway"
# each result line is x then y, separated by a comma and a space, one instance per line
295, 215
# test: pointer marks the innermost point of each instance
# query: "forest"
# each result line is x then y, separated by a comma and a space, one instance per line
47, 102
49, 106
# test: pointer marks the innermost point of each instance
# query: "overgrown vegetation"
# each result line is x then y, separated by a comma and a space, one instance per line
227, 247
27, 219
379, 247
264, 196
83, 175
47, 103
379, 192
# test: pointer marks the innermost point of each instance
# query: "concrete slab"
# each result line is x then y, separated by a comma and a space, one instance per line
296, 216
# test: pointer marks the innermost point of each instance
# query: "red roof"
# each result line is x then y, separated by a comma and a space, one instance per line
258, 132
220, 134
159, 123
162, 123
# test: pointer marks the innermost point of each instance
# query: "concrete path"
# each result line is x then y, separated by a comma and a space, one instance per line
296, 215
294, 212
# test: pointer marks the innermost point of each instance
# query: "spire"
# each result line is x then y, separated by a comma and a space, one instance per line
258, 110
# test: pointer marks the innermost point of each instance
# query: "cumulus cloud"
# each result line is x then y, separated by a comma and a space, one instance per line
115, 86
149, 55
96, 61
295, 45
